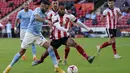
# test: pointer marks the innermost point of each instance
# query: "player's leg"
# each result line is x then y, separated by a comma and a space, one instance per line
67, 50
114, 45
34, 51
45, 54
44, 43
56, 53
72, 43
28, 39
22, 34
15, 59
106, 44
8, 35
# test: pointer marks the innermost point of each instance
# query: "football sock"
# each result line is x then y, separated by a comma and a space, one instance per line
67, 50
15, 59
114, 48
33, 49
81, 51
104, 45
57, 55
52, 55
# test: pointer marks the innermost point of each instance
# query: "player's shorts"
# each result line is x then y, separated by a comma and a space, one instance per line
111, 32
57, 43
30, 38
22, 33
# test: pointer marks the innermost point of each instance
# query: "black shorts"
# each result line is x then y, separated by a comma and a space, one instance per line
111, 32
57, 43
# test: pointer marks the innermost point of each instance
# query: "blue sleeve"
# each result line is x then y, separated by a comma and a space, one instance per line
19, 15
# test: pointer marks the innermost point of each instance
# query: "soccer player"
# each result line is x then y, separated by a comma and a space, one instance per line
33, 33
8, 29
24, 17
61, 22
50, 14
112, 15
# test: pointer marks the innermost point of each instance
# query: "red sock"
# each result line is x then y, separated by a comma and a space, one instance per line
57, 55
104, 45
67, 50
81, 51
44, 55
114, 48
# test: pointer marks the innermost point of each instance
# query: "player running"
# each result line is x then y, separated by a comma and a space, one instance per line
112, 15
50, 14
33, 33
60, 35
24, 17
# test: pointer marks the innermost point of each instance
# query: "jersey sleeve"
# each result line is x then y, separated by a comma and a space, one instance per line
49, 15
119, 11
36, 11
19, 15
72, 18
104, 12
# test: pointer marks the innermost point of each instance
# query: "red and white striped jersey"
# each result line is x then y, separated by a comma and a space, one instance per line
112, 16
65, 21
51, 13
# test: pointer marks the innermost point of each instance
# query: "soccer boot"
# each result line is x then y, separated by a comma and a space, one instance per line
7, 69
59, 70
90, 59
64, 62
23, 57
117, 56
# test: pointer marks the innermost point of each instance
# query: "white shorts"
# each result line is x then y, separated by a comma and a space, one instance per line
30, 38
22, 33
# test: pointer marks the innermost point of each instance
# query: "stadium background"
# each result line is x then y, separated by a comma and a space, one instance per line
104, 63
88, 11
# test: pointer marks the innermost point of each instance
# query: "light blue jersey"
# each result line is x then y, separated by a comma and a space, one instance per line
24, 18
35, 26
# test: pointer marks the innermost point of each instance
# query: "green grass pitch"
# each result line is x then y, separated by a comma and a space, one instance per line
104, 63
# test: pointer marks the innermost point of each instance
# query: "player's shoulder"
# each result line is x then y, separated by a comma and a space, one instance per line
116, 8
107, 9
38, 8
21, 11
69, 15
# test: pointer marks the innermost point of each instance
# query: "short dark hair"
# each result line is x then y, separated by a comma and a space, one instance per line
54, 0
111, 0
61, 4
45, 2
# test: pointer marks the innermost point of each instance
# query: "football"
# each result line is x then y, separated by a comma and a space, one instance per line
72, 69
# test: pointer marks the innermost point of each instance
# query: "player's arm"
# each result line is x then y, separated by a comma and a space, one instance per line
74, 19
38, 18
102, 18
119, 14
17, 21
58, 26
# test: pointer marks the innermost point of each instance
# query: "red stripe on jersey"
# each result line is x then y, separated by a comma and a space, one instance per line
59, 32
66, 26
109, 18
114, 25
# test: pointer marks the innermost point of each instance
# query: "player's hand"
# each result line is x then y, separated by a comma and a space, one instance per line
15, 30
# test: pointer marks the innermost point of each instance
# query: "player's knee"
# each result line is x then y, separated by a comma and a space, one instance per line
46, 45
22, 51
